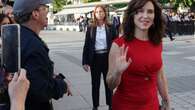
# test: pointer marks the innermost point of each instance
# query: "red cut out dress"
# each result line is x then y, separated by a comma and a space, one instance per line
138, 87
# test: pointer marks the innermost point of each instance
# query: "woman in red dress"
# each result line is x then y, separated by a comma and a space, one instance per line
135, 59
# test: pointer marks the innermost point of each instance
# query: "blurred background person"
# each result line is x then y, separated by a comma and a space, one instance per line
7, 8
4, 19
116, 22
168, 26
99, 37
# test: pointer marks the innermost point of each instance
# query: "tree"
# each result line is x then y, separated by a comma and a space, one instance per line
177, 3
185, 3
59, 5
164, 1
120, 5
88, 1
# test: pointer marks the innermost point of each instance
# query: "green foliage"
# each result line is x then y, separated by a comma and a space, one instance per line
88, 1
84, 1
69, 2
59, 4
164, 1
183, 3
93, 1
177, 3
120, 5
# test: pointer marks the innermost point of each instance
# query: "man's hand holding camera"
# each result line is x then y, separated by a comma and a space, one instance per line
61, 76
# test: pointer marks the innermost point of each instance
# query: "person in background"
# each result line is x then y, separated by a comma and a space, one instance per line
8, 10
98, 40
81, 22
135, 59
18, 89
116, 22
1, 7
167, 28
86, 23
4, 19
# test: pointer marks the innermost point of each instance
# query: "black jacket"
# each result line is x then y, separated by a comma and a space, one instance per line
35, 59
89, 45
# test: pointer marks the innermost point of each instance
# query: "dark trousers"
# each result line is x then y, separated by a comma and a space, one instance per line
169, 34
36, 105
100, 65
4, 107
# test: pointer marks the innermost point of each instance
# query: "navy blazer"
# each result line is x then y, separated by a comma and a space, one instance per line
35, 59
89, 45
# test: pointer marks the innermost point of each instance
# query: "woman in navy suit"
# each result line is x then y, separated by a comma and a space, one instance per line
99, 37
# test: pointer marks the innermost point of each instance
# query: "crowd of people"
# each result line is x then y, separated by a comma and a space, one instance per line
176, 16
179, 23
130, 60
81, 21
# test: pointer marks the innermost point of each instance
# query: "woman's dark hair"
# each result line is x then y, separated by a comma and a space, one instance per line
2, 16
156, 31
95, 21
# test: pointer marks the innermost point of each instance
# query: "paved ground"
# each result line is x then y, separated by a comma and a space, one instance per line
66, 51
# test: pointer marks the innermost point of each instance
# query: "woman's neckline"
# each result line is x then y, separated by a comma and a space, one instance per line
142, 40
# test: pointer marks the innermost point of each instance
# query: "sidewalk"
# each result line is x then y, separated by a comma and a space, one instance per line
69, 62
180, 38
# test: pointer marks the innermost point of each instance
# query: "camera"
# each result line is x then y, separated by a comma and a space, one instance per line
60, 76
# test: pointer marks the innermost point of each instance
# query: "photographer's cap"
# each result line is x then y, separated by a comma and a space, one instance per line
22, 7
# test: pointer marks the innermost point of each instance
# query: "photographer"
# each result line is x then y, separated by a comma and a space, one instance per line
32, 17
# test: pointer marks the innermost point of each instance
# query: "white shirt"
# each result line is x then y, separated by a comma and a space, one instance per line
101, 42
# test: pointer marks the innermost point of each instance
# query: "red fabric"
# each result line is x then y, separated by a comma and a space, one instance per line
138, 87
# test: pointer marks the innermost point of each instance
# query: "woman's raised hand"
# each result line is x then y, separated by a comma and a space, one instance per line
121, 60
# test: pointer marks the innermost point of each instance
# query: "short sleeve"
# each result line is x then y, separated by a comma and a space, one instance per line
119, 41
